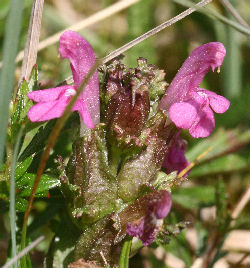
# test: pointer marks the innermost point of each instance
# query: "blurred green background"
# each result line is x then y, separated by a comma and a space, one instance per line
216, 184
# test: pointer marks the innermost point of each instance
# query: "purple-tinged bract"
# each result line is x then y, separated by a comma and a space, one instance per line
175, 159
147, 227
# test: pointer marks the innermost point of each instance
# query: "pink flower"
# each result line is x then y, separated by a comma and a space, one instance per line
52, 102
147, 227
175, 159
187, 105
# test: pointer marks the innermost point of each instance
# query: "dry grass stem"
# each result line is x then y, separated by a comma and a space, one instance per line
234, 12
97, 17
24, 252
154, 31
192, 164
241, 204
148, 34
31, 47
236, 240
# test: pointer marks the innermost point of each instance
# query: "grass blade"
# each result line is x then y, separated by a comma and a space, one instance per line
10, 46
13, 196
232, 73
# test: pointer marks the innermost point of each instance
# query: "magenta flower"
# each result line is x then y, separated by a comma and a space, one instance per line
147, 227
187, 105
52, 102
175, 159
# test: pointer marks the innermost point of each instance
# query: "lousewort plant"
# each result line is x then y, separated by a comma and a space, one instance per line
112, 183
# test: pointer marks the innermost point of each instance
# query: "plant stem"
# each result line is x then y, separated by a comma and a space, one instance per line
124, 257
51, 142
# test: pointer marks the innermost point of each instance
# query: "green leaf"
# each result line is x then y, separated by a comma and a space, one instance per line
25, 103
21, 204
33, 79
38, 141
12, 30
22, 104
223, 142
44, 217
124, 257
19, 103
202, 235
194, 197
225, 164
23, 166
25, 184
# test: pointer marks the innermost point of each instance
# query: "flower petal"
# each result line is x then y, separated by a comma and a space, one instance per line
46, 95
218, 103
192, 73
44, 111
90, 95
183, 114
204, 125
163, 206
81, 55
80, 106
175, 159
